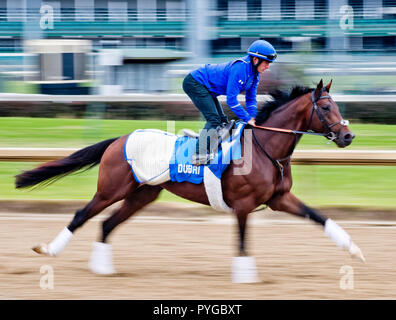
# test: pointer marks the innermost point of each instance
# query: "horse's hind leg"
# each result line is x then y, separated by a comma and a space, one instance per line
114, 183
101, 259
132, 203
94, 207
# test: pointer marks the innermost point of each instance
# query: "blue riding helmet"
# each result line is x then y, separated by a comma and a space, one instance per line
263, 50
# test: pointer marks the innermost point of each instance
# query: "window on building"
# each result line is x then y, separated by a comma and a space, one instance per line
288, 9
305, 9
254, 9
170, 43
390, 42
175, 10
320, 9
226, 45
280, 43
318, 43
147, 10
84, 10
237, 10
372, 9
373, 42
16, 10
271, 10
118, 11
357, 6
389, 9
3, 10
8, 45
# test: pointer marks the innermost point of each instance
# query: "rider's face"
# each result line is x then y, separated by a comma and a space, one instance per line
264, 65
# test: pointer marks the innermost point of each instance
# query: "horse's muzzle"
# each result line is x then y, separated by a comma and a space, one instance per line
345, 139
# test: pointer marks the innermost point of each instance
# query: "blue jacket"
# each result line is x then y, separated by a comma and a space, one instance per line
230, 79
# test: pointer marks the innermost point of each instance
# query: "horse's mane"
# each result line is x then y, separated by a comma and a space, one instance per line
280, 98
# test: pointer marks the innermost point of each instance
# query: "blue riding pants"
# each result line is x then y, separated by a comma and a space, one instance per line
207, 104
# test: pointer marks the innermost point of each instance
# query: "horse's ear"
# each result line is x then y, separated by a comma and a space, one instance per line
318, 89
329, 85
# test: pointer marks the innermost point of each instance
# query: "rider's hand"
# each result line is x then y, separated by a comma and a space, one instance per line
252, 122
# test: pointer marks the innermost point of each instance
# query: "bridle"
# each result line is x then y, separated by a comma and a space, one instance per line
329, 134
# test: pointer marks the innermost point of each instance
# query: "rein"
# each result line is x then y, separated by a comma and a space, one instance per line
290, 131
329, 134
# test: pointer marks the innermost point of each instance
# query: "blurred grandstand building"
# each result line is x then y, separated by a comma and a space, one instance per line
157, 41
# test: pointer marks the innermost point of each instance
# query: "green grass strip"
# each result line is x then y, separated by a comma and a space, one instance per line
323, 186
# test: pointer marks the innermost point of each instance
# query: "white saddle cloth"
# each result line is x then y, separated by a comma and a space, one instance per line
149, 153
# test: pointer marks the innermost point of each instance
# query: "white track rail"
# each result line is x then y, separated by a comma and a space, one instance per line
305, 157
142, 97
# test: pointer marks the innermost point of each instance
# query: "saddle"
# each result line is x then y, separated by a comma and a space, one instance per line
224, 131
157, 156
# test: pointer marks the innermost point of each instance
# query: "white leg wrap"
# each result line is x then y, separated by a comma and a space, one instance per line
342, 239
337, 234
244, 270
101, 261
60, 242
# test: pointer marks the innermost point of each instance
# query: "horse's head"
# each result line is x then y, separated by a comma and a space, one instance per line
325, 117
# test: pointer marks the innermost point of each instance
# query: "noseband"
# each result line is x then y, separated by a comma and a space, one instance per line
329, 133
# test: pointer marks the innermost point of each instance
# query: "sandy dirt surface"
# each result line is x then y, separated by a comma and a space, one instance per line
190, 258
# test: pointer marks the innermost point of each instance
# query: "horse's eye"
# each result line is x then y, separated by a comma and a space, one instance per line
326, 108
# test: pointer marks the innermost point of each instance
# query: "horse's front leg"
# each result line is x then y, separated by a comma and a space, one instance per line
242, 218
289, 203
244, 268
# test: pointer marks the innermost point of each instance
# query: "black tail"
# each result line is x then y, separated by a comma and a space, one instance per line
54, 170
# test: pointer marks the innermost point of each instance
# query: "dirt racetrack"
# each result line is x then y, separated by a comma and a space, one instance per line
167, 257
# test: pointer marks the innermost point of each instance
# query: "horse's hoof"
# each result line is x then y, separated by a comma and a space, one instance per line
41, 248
355, 252
104, 271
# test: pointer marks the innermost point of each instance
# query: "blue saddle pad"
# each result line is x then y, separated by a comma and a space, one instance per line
181, 167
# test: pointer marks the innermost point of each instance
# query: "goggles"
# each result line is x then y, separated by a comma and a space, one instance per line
268, 57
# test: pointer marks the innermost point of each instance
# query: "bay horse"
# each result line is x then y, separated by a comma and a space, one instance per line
304, 110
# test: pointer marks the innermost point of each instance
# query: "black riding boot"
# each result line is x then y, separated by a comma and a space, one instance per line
201, 155
224, 130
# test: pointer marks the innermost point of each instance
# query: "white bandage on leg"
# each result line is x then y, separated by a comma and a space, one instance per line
60, 242
337, 234
244, 270
101, 261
